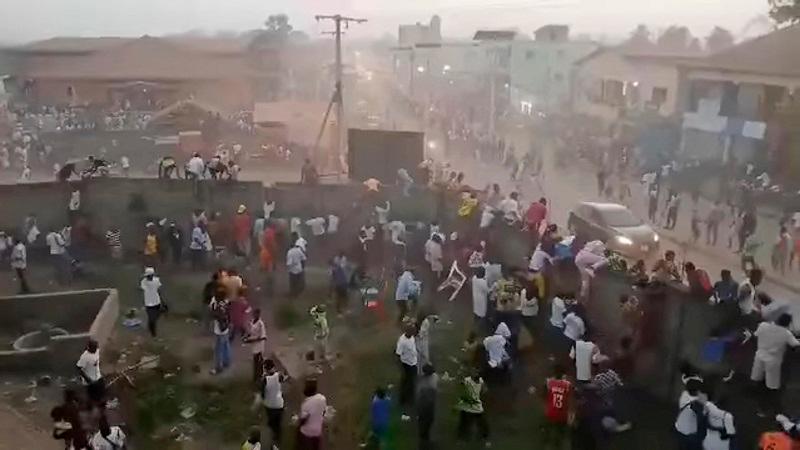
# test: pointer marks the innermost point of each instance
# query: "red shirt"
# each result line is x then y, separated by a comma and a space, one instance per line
558, 393
242, 227
536, 213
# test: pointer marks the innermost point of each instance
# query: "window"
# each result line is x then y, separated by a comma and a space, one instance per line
658, 96
530, 54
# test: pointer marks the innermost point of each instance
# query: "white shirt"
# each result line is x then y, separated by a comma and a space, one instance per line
719, 419
89, 363
74, 201
369, 232
273, 391
125, 162
383, 214
150, 289
495, 346
196, 166
199, 239
486, 217
313, 409
302, 243
557, 310
407, 350
268, 209
115, 437
317, 225
528, 307
480, 296
333, 224
294, 260
294, 225
583, 353
19, 257
397, 230
538, 260
510, 208
573, 326
686, 422
748, 303
56, 243
772, 341
258, 331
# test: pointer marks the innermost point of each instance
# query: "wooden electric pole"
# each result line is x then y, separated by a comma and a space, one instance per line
338, 95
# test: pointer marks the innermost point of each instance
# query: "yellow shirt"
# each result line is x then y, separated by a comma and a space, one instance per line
468, 205
150, 245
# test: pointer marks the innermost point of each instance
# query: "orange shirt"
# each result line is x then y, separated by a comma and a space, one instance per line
777, 440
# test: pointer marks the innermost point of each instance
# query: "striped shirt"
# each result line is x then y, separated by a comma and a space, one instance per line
113, 238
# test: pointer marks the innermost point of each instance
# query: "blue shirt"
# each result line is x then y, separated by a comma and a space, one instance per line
380, 412
405, 286
726, 291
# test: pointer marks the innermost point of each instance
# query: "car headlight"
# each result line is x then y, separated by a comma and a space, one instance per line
624, 240
655, 238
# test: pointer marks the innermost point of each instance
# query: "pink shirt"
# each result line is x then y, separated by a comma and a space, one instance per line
313, 408
240, 310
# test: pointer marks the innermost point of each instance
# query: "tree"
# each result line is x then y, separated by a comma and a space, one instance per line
640, 37
784, 11
719, 39
276, 32
675, 38
695, 46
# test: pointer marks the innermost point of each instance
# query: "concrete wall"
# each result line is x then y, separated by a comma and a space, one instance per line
296, 200
83, 314
110, 201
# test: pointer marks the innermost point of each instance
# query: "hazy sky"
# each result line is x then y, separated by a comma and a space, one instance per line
24, 20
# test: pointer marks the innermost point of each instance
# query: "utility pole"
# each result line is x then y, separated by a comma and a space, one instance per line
338, 96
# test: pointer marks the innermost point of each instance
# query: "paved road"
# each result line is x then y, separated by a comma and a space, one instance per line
565, 188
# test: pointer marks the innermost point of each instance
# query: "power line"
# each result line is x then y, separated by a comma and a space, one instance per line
338, 94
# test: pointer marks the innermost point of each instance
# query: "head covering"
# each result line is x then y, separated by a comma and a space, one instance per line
162, 222
503, 330
241, 209
149, 271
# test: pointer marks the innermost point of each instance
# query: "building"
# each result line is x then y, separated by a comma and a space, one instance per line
409, 35
612, 83
745, 102
539, 69
146, 72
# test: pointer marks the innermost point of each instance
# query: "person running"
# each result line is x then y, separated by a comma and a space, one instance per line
772, 341
690, 409
311, 418
19, 263
380, 414
272, 395
558, 402
470, 408
220, 311
151, 289
406, 351
257, 338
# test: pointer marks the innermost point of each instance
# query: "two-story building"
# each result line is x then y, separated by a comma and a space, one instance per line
744, 102
612, 83
540, 69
